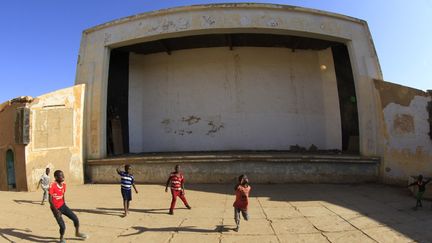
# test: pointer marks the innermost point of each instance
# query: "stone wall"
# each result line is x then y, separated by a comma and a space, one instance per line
404, 131
226, 167
56, 135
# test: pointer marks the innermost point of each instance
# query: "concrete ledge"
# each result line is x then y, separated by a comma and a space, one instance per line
225, 168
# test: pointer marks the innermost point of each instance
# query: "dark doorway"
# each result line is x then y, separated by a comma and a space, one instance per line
347, 99
10, 169
117, 104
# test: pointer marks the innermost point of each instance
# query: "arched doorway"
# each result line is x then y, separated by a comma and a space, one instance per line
10, 168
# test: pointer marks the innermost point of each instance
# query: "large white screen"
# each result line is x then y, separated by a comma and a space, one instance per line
214, 99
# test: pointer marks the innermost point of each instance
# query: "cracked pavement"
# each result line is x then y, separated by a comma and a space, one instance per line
278, 213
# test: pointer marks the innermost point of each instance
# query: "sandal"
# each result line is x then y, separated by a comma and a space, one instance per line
82, 235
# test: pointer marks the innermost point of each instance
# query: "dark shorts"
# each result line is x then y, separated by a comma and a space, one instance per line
126, 194
420, 195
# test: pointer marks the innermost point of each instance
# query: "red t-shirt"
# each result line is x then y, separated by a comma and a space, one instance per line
242, 197
176, 181
57, 193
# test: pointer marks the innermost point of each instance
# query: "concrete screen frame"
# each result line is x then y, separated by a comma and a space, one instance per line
94, 55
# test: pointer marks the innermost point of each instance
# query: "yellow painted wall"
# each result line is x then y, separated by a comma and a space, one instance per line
56, 136
404, 132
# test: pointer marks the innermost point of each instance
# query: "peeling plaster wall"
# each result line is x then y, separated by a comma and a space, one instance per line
56, 127
7, 141
407, 147
96, 42
246, 99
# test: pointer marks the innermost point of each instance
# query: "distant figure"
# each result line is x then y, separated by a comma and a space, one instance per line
58, 206
421, 189
176, 180
44, 182
127, 181
241, 202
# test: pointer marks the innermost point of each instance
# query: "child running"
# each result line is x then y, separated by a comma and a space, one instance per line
421, 189
59, 207
44, 182
176, 180
242, 190
127, 181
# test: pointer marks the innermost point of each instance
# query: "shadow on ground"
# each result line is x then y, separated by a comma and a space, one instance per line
190, 229
26, 234
120, 211
27, 202
390, 206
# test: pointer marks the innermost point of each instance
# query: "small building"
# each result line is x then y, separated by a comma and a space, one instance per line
41, 132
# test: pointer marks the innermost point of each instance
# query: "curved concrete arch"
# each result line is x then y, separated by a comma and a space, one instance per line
97, 42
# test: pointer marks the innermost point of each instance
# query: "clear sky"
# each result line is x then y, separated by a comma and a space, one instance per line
39, 40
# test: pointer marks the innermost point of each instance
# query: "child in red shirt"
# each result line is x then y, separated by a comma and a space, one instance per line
58, 206
242, 190
176, 180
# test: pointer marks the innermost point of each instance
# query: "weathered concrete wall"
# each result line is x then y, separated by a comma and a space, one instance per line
225, 169
407, 146
245, 99
56, 135
226, 18
7, 141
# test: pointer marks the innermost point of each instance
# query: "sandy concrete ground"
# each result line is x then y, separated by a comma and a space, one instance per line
279, 213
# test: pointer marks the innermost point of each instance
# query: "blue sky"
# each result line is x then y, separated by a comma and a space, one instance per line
40, 39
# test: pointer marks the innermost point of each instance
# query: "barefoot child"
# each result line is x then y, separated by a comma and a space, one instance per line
127, 181
44, 182
421, 189
58, 206
176, 180
242, 190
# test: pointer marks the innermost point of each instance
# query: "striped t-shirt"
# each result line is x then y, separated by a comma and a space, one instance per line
176, 180
126, 180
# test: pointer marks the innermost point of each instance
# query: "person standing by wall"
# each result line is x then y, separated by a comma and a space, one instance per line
421, 190
44, 182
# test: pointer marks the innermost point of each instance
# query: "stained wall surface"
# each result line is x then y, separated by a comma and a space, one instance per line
407, 146
210, 99
56, 136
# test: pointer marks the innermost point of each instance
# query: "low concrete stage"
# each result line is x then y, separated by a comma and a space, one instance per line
225, 167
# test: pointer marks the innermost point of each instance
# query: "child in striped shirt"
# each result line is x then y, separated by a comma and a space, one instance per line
127, 181
176, 179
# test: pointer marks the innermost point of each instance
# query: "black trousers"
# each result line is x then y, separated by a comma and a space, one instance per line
68, 212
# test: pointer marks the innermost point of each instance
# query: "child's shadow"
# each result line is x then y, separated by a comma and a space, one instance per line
140, 230
27, 201
150, 211
6, 233
119, 211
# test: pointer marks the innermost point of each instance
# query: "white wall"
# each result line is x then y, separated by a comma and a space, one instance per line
245, 99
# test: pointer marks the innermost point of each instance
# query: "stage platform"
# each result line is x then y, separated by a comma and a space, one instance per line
224, 167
